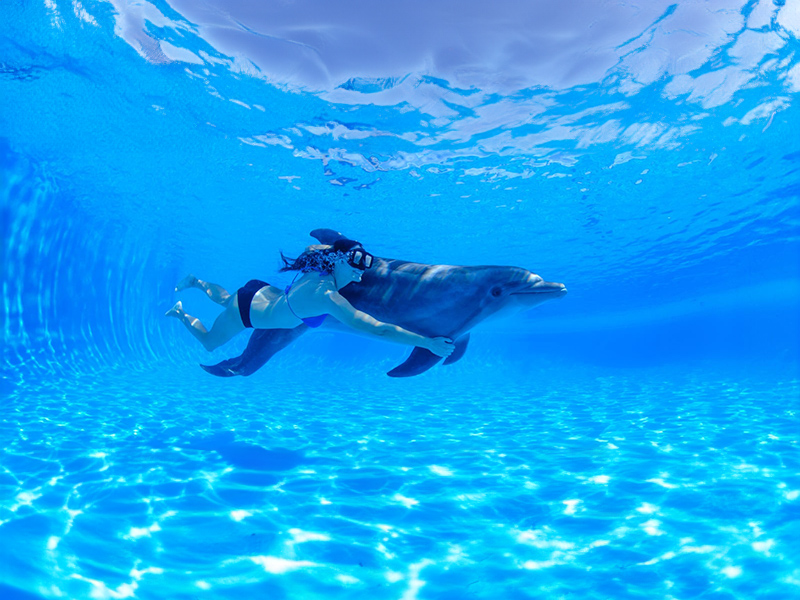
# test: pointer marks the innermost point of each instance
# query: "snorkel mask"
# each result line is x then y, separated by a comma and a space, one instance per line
357, 257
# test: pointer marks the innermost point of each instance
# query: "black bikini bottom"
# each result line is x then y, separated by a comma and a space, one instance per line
245, 297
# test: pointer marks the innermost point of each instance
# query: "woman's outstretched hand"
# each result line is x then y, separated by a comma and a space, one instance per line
441, 346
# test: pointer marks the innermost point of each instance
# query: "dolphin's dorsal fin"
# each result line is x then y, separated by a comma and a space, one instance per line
420, 361
326, 236
460, 349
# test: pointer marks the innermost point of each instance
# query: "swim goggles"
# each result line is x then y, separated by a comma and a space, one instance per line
359, 259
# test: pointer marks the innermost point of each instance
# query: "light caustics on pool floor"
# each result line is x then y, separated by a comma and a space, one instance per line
128, 485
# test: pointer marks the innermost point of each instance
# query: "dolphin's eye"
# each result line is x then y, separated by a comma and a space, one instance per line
497, 292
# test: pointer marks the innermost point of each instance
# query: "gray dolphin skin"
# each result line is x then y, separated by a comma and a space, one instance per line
432, 300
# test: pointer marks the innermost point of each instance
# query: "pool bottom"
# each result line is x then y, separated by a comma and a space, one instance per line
558, 482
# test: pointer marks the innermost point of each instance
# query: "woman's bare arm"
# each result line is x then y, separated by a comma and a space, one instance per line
345, 312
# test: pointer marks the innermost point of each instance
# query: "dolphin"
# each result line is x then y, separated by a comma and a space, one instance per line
432, 300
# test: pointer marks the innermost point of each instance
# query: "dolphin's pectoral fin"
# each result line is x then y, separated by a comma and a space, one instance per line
420, 361
263, 345
326, 236
461, 347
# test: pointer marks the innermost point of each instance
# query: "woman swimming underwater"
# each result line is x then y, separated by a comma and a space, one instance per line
322, 272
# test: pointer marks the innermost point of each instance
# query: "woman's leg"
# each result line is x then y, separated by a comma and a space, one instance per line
215, 292
227, 325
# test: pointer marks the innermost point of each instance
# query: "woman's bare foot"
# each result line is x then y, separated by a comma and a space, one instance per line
175, 311
187, 282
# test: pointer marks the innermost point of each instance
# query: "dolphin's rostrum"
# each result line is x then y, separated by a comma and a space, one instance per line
432, 300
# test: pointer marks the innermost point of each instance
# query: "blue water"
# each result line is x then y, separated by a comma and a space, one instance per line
637, 439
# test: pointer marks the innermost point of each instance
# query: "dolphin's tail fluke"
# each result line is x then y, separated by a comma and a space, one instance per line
263, 345
227, 368
420, 361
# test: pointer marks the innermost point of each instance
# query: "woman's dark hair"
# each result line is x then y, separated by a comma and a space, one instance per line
321, 261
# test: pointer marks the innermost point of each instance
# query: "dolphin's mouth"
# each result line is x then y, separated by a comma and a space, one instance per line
544, 288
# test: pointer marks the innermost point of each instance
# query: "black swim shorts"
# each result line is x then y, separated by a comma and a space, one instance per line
245, 295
